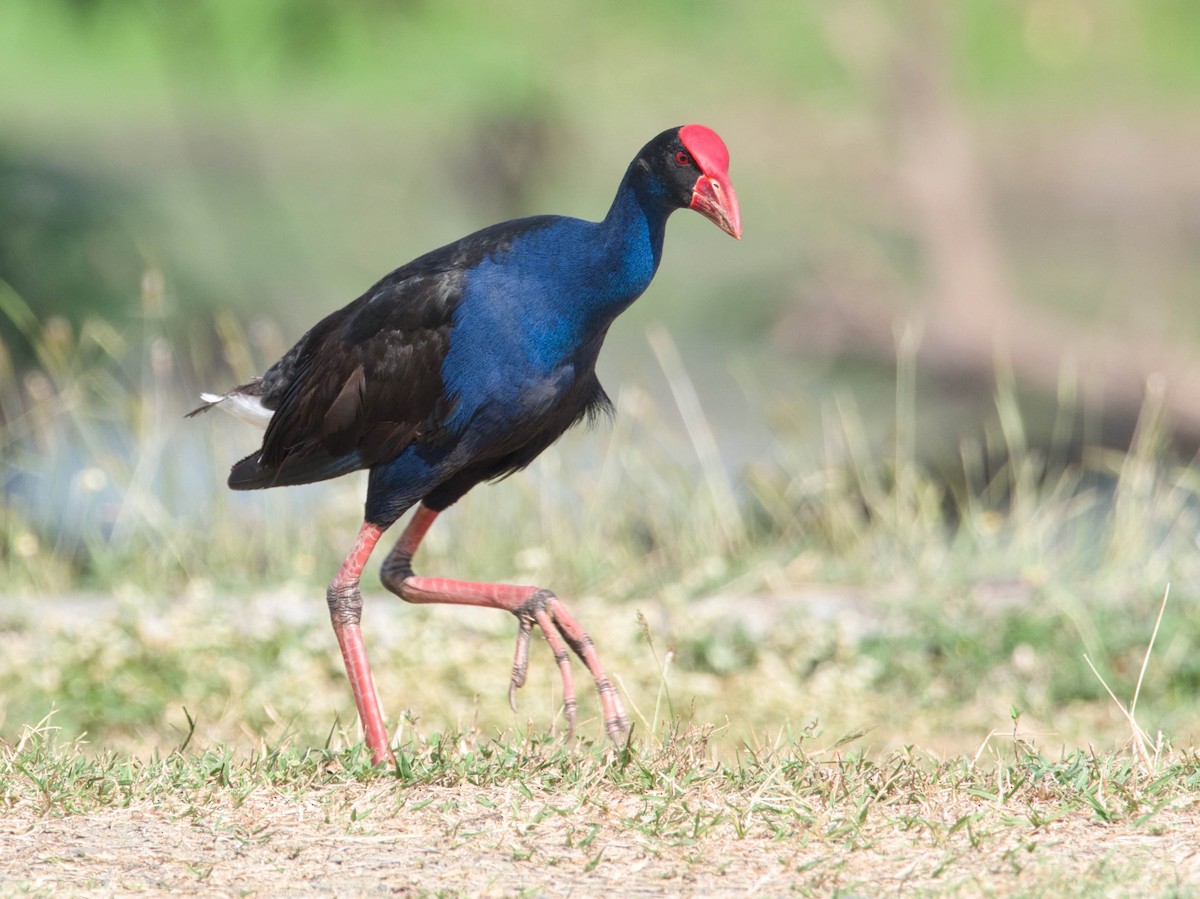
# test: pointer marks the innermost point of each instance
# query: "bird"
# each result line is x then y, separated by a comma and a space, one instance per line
461, 367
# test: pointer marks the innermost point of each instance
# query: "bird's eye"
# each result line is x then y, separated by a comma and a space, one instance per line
682, 158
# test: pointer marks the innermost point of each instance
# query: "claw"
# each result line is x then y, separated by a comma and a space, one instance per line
520, 661
616, 724
557, 624
531, 606
562, 657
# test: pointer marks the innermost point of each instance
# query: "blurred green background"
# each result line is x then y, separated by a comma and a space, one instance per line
993, 196
1024, 170
970, 269
997, 200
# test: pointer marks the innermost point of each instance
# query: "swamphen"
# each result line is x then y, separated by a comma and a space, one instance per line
461, 367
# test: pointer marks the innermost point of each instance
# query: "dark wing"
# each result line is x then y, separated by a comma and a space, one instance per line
366, 381
360, 386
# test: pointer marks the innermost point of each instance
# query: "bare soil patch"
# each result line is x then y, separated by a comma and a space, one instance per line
381, 838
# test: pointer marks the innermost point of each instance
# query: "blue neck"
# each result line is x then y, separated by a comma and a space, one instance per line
631, 239
610, 264
570, 278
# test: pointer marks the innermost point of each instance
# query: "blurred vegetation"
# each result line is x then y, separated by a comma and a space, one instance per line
272, 159
848, 582
282, 154
183, 188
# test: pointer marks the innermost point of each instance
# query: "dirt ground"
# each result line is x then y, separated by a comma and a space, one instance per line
447, 840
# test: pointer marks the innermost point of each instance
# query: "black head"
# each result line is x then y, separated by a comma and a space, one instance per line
690, 167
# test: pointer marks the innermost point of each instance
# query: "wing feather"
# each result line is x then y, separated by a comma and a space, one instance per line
360, 386
366, 381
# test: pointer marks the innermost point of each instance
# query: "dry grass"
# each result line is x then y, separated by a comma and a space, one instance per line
463, 815
262, 785
840, 683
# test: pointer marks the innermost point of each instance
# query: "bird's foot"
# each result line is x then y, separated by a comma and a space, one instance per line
531, 606
556, 622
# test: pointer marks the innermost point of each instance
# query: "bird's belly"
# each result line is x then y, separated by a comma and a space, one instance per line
523, 408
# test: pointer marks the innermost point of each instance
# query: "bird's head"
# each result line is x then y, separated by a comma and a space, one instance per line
692, 164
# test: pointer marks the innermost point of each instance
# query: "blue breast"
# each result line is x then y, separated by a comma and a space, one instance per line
531, 320
522, 350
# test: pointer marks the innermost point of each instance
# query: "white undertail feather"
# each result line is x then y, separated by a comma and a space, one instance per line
247, 408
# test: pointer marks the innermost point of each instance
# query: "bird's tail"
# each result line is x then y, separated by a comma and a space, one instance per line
244, 403
297, 468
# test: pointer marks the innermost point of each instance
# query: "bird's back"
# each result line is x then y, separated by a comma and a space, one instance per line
473, 333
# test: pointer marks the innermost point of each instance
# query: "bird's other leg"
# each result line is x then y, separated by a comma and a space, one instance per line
345, 610
531, 606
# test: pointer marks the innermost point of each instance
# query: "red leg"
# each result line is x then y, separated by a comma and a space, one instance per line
345, 610
531, 605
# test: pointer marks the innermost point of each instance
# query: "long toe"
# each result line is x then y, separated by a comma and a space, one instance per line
520, 666
532, 607
615, 722
563, 658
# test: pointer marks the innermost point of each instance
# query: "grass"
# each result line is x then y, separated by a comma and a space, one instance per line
502, 815
845, 677
839, 573
842, 677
